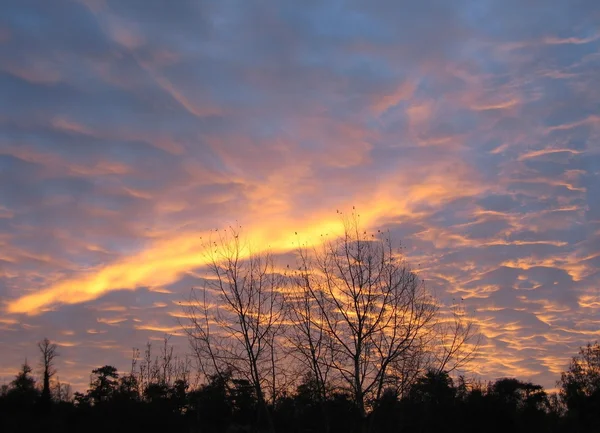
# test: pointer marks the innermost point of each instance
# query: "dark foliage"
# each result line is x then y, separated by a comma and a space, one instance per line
435, 402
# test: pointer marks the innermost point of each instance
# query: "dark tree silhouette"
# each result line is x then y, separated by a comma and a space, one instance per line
239, 333
103, 384
47, 355
22, 389
434, 388
211, 404
228, 403
580, 388
128, 388
434, 402
359, 312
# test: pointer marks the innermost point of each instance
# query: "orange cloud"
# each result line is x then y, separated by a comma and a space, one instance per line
163, 261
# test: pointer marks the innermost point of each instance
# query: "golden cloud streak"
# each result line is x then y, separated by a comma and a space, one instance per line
159, 265
164, 261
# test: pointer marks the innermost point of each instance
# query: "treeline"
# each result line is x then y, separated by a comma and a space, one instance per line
157, 396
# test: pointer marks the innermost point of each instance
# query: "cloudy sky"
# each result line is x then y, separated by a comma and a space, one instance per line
468, 128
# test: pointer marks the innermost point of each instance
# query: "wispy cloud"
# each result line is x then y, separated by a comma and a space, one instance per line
128, 133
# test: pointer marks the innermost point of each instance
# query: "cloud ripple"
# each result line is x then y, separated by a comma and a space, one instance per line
130, 129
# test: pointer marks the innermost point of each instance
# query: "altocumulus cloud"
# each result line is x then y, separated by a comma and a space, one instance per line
128, 130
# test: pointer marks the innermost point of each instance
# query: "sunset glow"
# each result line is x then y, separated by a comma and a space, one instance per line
129, 134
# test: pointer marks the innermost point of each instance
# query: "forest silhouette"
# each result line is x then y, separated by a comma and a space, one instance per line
158, 397
349, 339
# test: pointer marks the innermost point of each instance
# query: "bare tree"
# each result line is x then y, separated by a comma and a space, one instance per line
155, 375
455, 341
235, 322
307, 338
449, 344
47, 355
374, 314
62, 391
353, 315
406, 369
167, 367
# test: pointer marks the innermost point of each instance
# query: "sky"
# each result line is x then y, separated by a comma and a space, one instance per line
129, 129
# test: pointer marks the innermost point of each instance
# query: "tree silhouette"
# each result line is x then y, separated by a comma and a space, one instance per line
128, 388
103, 384
239, 333
308, 339
22, 389
360, 313
580, 387
433, 388
224, 403
47, 355
211, 404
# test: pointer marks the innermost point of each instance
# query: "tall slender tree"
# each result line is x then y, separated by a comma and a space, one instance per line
48, 354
